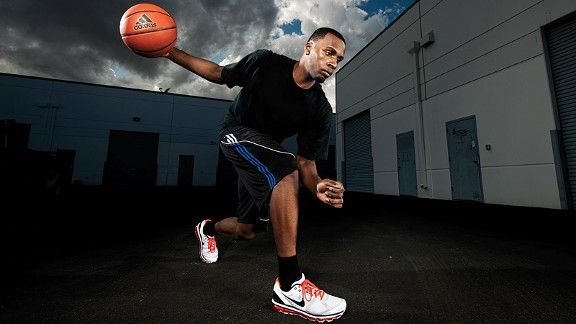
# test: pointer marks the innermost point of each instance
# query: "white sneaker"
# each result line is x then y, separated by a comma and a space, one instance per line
308, 301
207, 244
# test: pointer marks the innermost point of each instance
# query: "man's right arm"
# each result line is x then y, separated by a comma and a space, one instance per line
204, 68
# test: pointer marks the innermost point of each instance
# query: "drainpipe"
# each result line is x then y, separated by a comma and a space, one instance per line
414, 48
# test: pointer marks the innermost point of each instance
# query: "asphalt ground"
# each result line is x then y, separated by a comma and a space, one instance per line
94, 255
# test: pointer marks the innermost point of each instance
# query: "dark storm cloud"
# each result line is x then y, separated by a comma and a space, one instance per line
210, 27
64, 39
77, 40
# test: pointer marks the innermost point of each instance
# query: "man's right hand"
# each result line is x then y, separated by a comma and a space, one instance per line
170, 52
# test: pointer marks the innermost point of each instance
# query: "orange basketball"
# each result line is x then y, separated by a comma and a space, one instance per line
148, 30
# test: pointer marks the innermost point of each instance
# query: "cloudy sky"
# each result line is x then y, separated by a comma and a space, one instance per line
79, 40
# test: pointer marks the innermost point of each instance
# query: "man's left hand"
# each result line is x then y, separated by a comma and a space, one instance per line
330, 192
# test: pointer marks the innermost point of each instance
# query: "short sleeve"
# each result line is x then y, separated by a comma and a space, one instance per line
237, 74
314, 138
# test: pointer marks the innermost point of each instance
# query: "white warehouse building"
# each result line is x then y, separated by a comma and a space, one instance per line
464, 100
114, 135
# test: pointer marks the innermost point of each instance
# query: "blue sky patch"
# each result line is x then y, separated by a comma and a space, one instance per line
372, 7
293, 27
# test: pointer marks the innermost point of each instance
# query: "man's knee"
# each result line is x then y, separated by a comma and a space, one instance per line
292, 177
245, 231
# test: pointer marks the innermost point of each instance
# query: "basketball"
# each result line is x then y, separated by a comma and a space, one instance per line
148, 30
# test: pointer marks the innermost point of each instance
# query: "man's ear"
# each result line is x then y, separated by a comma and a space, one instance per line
308, 47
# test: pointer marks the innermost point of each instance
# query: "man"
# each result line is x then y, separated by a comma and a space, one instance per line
279, 98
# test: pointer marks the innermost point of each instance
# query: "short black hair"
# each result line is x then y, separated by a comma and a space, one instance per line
322, 31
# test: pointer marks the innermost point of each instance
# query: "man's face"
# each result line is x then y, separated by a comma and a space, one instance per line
323, 56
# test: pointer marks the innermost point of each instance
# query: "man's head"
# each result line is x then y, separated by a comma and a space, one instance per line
322, 53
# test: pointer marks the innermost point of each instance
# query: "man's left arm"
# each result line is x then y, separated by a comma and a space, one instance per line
328, 191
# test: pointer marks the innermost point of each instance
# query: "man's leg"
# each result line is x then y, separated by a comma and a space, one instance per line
206, 233
263, 165
231, 227
284, 214
294, 294
243, 226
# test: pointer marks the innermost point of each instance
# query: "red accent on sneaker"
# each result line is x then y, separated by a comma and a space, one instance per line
208, 241
281, 309
309, 291
211, 244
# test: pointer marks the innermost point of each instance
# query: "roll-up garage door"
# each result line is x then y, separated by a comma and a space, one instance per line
358, 170
562, 55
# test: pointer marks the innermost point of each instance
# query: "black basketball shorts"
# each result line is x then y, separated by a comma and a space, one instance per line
261, 162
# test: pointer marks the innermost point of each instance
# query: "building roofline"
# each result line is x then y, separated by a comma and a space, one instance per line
107, 86
376, 37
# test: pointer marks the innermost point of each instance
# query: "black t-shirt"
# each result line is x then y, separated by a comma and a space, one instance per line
272, 103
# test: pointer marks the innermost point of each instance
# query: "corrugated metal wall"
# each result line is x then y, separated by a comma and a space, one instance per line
562, 54
359, 175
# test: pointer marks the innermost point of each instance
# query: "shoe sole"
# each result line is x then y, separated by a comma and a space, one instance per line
288, 311
197, 232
